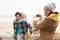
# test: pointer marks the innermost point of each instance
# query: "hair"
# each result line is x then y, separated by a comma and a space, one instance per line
18, 13
50, 13
56, 12
53, 12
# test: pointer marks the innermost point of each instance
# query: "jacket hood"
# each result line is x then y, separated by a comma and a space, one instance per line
54, 16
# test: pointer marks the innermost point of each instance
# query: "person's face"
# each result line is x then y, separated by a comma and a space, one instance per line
18, 17
47, 11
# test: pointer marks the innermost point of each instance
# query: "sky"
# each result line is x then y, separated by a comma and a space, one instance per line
8, 8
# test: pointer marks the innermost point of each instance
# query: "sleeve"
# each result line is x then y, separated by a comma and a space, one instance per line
14, 25
23, 26
47, 22
23, 23
30, 28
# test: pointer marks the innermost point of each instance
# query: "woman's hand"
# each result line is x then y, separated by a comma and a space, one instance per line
34, 22
38, 18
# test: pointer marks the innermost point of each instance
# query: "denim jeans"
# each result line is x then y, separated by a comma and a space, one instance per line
19, 37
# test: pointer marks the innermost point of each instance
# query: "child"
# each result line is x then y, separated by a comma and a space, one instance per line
20, 26
17, 29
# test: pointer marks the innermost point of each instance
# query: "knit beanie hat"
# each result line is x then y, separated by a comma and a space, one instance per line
51, 6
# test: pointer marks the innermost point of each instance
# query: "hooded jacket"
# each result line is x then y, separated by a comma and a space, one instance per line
48, 27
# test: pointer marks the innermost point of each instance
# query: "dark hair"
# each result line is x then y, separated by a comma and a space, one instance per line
56, 12
18, 13
50, 13
53, 12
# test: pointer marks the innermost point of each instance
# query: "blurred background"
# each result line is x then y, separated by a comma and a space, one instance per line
8, 8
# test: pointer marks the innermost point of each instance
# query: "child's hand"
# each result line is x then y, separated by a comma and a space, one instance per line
28, 35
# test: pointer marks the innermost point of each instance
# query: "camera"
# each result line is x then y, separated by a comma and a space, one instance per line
38, 15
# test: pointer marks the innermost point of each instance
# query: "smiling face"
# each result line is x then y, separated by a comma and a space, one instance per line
47, 11
18, 17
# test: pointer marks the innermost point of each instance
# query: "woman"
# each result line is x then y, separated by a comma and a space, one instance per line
48, 26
